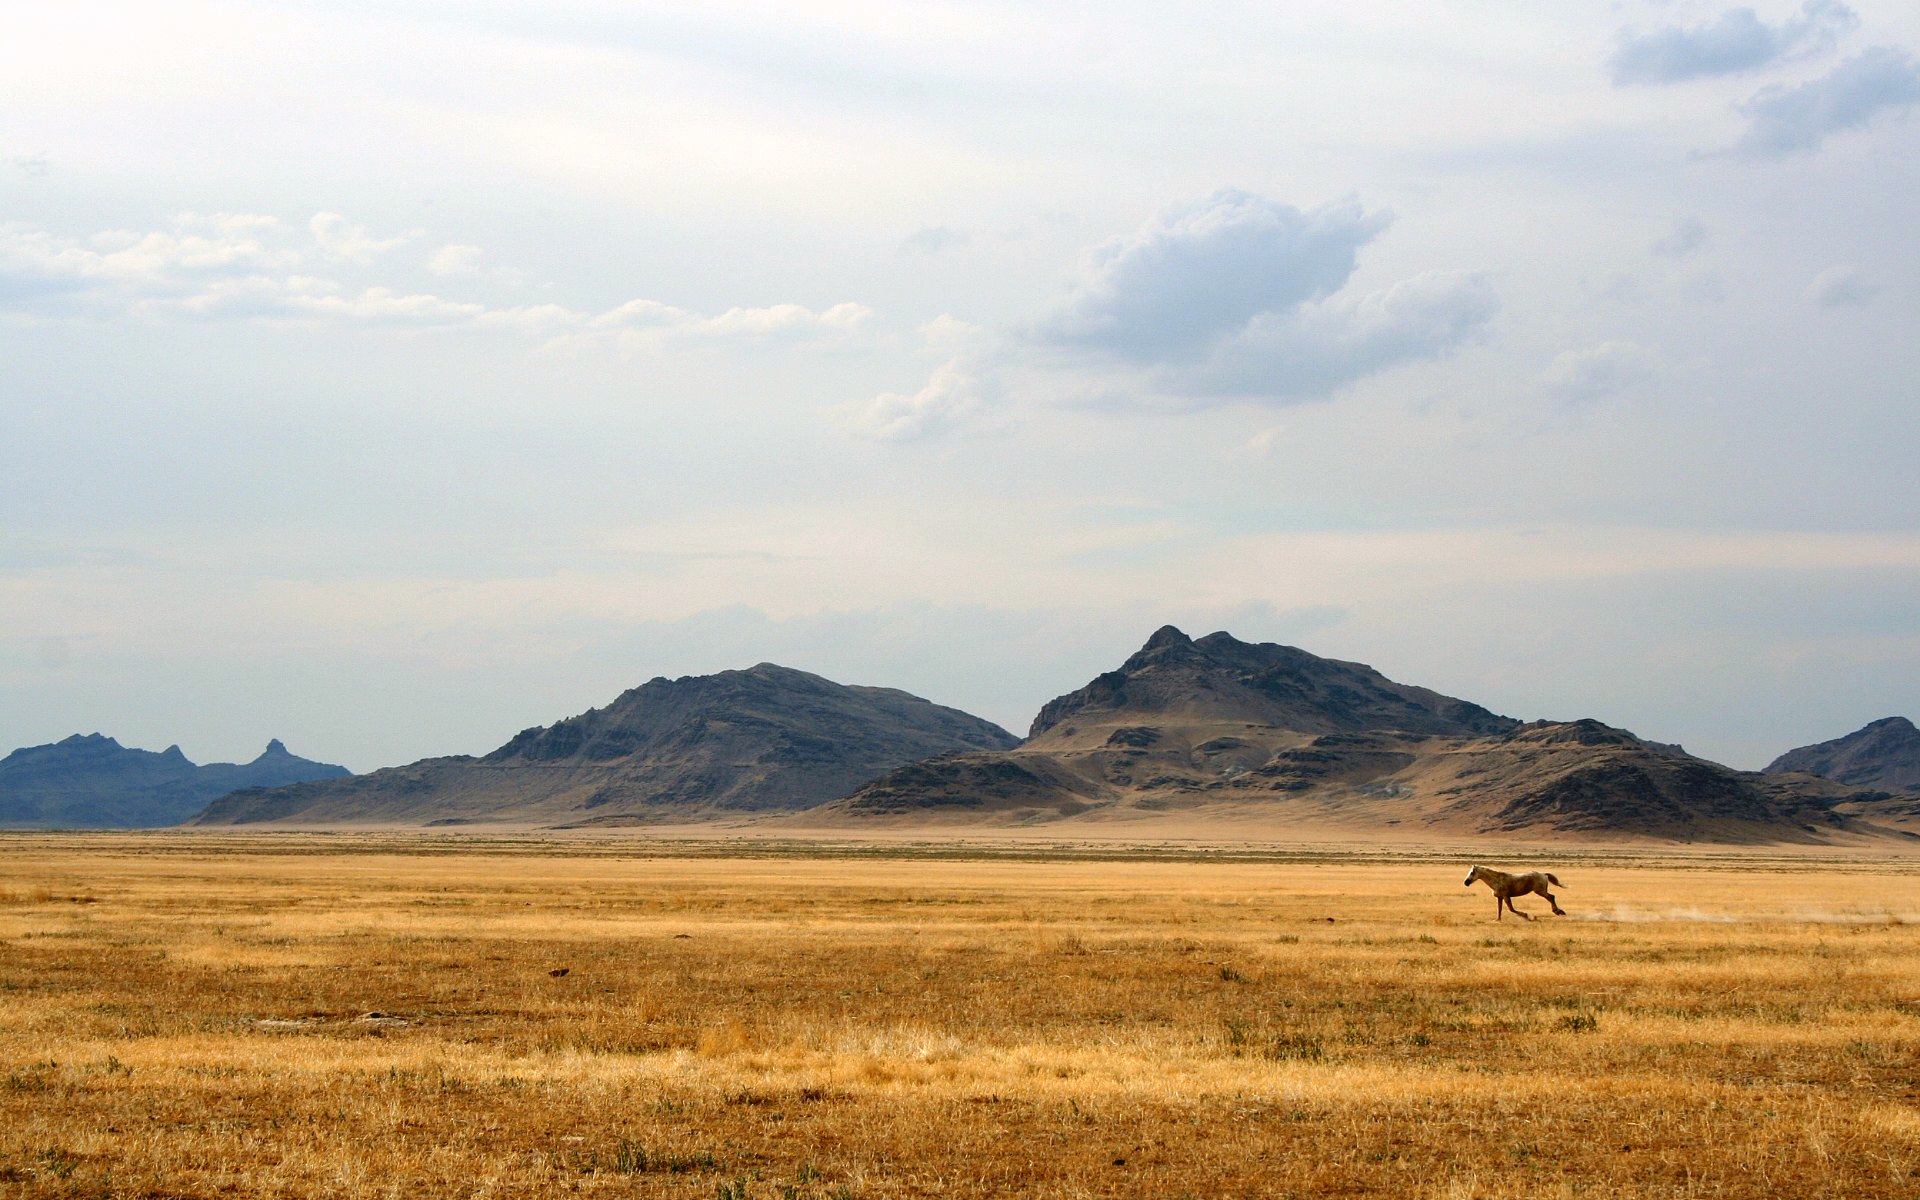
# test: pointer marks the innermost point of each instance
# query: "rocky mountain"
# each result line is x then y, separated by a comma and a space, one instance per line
1219, 678
1884, 755
766, 739
90, 781
1226, 730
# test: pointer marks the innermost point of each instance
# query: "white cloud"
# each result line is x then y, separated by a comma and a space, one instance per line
455, 260
1841, 287
948, 400
341, 238
650, 323
247, 267
1738, 41
1785, 120
1597, 372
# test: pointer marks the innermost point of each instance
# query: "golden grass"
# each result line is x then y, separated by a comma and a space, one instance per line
187, 1016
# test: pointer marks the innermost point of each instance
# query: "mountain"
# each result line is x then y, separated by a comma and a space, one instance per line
90, 781
766, 739
1884, 755
1221, 729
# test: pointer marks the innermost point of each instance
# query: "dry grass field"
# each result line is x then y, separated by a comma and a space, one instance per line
299, 1015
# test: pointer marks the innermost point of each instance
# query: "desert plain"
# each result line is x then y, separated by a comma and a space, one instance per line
412, 1015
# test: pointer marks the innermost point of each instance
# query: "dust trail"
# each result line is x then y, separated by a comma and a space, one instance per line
1622, 914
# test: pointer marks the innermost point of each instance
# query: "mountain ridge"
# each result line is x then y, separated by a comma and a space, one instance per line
91, 781
1882, 754
765, 738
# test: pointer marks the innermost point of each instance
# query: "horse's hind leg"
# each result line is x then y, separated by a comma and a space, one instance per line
1557, 910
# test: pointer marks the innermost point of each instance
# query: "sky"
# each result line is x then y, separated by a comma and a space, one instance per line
388, 378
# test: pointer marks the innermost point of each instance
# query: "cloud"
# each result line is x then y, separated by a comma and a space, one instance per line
1200, 272
935, 238
1738, 41
1240, 296
255, 268
341, 238
651, 322
1841, 287
1597, 372
949, 399
1314, 349
1788, 120
1686, 237
1230, 298
455, 260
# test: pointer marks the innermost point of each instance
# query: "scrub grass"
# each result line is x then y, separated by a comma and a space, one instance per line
199, 1016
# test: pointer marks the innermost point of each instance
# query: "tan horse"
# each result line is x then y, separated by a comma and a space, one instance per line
1506, 887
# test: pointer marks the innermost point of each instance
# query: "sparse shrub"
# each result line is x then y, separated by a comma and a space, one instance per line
55, 1163
1229, 975
1578, 1023
1304, 1047
629, 1157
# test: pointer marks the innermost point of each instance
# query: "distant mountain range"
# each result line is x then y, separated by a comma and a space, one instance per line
766, 739
89, 781
1274, 735
1268, 737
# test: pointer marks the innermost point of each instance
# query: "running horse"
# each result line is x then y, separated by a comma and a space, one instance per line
1506, 887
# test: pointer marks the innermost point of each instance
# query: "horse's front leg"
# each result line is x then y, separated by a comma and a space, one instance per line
1516, 912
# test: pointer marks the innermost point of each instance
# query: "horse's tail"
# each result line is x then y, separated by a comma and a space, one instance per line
1553, 880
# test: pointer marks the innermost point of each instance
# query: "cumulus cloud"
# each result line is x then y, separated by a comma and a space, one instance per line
1785, 120
1738, 41
1234, 297
1314, 349
1240, 296
1597, 372
1199, 272
1841, 287
949, 399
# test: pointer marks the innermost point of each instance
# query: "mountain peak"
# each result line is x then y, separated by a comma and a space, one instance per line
1223, 679
1884, 754
1166, 635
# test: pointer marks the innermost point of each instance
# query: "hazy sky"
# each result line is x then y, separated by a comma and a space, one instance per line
390, 377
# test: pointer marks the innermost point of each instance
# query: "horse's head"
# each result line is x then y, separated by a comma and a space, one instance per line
1471, 876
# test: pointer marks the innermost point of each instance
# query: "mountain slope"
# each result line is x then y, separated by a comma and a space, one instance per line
1883, 755
769, 738
92, 781
1220, 728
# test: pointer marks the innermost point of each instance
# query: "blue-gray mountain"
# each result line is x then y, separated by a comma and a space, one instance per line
90, 781
1884, 755
766, 739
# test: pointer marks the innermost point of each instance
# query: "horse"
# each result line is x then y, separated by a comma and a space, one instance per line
1506, 887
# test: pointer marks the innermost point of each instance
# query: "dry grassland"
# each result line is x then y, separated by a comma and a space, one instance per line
283, 1016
